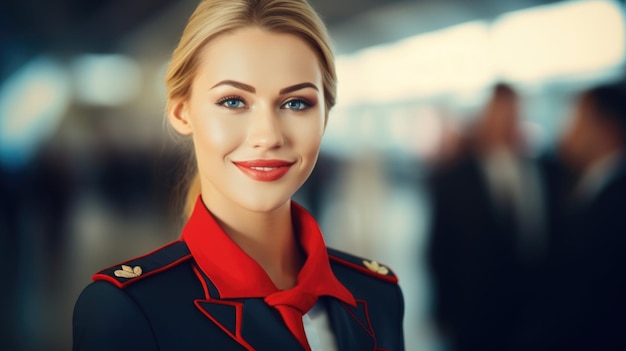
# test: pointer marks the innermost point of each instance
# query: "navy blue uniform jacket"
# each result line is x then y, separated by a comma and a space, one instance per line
204, 293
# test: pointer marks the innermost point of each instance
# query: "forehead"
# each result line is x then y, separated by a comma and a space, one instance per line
258, 57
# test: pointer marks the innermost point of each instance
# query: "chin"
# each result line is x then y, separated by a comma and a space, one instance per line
268, 199
265, 206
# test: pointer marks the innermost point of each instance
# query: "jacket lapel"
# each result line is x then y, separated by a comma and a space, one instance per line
265, 329
352, 327
250, 322
227, 315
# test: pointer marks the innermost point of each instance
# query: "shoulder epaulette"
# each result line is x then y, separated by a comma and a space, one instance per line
146, 265
363, 265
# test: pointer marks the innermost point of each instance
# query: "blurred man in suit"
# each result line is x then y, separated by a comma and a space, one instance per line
487, 231
583, 305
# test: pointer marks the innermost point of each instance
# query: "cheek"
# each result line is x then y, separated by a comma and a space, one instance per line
311, 144
215, 135
309, 138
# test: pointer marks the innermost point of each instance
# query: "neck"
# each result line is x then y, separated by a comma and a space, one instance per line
267, 237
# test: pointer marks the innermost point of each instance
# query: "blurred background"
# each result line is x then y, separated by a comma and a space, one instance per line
88, 168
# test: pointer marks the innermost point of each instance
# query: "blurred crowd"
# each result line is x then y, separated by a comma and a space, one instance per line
527, 251
523, 251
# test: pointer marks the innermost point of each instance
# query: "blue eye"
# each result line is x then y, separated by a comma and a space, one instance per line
232, 102
296, 104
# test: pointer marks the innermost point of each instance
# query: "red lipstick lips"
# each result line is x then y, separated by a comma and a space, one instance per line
264, 170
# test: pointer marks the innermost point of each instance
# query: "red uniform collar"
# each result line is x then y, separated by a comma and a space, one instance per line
237, 275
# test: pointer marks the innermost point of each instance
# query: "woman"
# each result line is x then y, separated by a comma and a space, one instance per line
251, 83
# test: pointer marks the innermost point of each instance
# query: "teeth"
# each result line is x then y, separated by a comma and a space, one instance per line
265, 169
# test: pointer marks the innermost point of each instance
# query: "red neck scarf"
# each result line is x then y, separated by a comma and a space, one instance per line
237, 275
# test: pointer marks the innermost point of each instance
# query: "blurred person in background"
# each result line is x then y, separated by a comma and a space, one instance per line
582, 305
251, 83
487, 233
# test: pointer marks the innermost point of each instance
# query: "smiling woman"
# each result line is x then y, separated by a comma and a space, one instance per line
251, 84
240, 113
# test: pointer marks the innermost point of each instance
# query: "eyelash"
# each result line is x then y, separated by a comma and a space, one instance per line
307, 104
225, 99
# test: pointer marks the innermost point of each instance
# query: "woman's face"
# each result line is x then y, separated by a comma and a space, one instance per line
256, 115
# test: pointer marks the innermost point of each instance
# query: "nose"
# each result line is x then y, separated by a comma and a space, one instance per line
265, 130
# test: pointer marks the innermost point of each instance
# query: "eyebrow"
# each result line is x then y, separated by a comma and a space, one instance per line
297, 87
251, 89
237, 85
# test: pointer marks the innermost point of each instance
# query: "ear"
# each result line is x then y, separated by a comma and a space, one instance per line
178, 116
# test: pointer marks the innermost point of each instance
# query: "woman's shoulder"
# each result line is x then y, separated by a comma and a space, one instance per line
160, 260
346, 265
111, 312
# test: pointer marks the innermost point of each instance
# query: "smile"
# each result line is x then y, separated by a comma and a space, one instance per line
264, 170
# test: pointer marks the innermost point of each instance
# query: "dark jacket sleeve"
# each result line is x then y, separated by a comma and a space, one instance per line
107, 318
401, 346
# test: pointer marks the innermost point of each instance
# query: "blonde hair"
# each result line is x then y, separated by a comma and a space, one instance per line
214, 17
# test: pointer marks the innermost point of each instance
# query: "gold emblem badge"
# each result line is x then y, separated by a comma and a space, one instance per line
127, 272
376, 267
